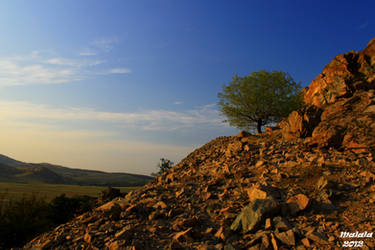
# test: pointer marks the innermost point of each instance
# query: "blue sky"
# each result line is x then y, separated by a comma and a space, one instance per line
116, 85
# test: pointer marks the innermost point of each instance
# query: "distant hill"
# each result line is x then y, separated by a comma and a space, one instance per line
17, 171
10, 162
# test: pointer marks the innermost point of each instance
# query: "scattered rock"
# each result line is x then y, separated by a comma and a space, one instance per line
254, 214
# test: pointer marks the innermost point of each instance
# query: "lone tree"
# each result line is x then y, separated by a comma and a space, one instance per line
163, 166
258, 99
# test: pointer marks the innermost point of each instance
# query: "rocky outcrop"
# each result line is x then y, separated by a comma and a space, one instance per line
297, 187
343, 76
339, 105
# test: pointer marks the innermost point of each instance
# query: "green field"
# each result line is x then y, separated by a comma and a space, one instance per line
16, 191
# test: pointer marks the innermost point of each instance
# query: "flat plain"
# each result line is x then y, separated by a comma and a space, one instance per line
16, 191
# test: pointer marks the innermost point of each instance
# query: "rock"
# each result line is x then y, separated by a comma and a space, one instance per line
322, 183
298, 203
114, 245
125, 233
317, 237
259, 163
220, 234
87, 238
301, 123
256, 193
265, 242
293, 126
242, 134
160, 205
268, 224
280, 223
328, 136
254, 214
174, 244
47, 244
118, 202
255, 247
233, 148
306, 242
286, 237
180, 192
274, 242
183, 234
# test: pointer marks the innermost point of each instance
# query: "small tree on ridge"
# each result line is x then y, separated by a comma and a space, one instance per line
163, 166
258, 99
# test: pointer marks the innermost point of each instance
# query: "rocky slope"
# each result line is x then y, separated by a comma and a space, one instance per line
297, 186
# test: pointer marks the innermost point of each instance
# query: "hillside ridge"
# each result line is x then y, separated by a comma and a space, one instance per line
307, 183
12, 170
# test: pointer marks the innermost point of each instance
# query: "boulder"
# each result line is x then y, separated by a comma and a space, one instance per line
298, 203
254, 214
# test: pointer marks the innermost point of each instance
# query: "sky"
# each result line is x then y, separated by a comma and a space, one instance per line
117, 85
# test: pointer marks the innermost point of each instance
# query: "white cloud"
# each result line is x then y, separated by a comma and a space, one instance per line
42, 68
120, 71
12, 73
61, 61
72, 62
87, 53
177, 103
162, 120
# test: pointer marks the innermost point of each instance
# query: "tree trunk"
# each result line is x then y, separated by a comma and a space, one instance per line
259, 126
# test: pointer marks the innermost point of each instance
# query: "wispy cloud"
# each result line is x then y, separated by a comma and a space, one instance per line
87, 52
12, 74
119, 71
177, 103
73, 62
205, 116
105, 44
62, 61
47, 68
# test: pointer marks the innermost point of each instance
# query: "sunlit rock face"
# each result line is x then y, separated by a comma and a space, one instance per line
339, 104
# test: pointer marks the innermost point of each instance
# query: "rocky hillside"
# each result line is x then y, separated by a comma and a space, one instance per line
297, 186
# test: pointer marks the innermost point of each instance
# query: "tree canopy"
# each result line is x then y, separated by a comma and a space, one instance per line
258, 99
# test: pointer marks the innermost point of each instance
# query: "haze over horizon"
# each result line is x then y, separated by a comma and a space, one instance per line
117, 85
